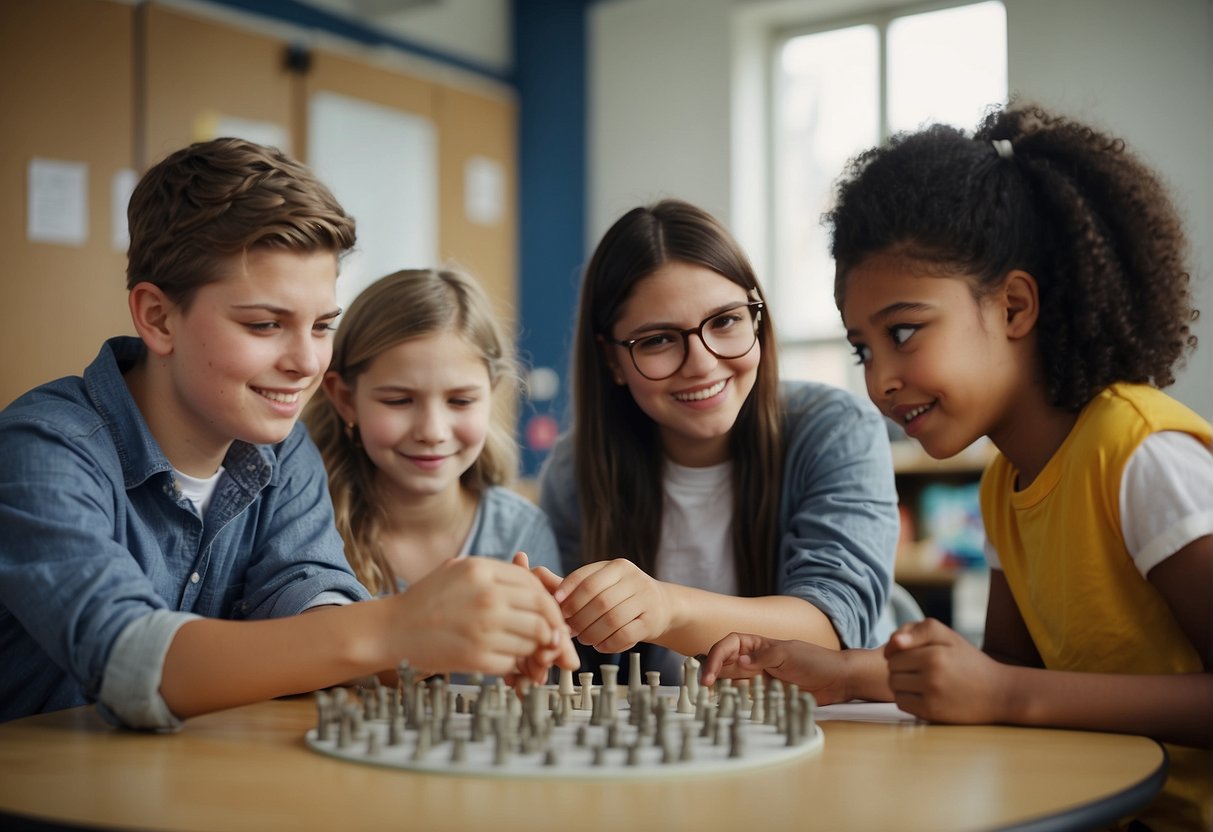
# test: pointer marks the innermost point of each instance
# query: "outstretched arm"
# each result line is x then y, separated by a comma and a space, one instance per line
473, 614
937, 675
830, 675
613, 605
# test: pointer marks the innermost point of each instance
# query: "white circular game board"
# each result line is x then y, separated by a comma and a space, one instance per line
760, 744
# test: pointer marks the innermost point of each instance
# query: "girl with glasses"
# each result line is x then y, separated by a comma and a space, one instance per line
694, 495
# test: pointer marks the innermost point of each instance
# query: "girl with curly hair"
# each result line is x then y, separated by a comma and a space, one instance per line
1029, 284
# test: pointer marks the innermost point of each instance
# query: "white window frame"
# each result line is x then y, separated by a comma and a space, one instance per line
881, 21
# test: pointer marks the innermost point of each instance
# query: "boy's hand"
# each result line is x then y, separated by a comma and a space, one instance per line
536, 666
936, 674
819, 670
613, 605
480, 614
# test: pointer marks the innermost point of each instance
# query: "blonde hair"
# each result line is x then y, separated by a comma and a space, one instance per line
399, 307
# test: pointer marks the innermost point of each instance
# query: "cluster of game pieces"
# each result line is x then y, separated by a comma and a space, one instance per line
568, 730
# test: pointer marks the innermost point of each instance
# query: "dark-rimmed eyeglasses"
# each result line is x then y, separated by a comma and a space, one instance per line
732, 333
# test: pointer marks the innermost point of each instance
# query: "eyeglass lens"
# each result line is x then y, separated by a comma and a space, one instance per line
731, 334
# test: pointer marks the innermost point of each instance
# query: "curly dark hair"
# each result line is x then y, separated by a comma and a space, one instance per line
1064, 202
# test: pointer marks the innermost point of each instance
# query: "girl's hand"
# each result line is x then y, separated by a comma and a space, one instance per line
612, 605
819, 670
480, 614
550, 580
536, 666
936, 674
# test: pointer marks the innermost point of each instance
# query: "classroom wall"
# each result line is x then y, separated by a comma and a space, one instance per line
111, 87
662, 91
477, 31
65, 92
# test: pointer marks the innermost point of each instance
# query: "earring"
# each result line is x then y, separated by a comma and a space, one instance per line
351, 433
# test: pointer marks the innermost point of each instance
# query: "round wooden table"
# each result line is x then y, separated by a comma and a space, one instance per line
249, 768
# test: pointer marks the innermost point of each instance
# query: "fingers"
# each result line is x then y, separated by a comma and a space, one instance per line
550, 580
723, 655
516, 613
593, 597
916, 634
574, 580
521, 559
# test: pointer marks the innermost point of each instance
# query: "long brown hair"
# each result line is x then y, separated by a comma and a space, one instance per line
617, 446
401, 306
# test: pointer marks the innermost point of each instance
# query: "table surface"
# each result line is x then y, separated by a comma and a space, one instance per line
249, 768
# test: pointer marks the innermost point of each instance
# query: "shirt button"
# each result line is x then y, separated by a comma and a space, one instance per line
194, 578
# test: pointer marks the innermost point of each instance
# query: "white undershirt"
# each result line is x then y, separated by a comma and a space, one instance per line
1166, 498
696, 546
199, 492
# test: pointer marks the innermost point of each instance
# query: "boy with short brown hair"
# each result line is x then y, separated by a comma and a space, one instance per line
166, 517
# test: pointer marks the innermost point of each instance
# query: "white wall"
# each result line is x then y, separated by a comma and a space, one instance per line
665, 76
659, 106
1143, 71
476, 30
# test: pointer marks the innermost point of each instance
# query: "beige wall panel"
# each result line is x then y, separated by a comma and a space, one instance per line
471, 125
386, 87
65, 84
198, 70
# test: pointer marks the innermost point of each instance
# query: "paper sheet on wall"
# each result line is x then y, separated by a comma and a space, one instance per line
121, 188
57, 208
381, 164
483, 190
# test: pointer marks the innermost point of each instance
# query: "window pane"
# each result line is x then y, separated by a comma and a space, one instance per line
947, 66
827, 96
832, 362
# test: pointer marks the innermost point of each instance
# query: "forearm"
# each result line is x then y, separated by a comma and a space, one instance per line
699, 619
215, 664
867, 675
1174, 708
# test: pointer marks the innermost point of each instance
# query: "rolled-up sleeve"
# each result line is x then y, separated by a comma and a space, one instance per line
130, 689
70, 587
840, 514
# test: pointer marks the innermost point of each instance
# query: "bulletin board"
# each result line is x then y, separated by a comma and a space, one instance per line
477, 177
198, 75
476, 136
112, 87
65, 70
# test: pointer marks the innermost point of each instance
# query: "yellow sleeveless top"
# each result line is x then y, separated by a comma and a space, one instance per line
1081, 596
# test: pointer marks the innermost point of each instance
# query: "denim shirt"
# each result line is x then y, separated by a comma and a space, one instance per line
838, 520
102, 558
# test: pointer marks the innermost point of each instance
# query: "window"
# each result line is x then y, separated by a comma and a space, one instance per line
835, 91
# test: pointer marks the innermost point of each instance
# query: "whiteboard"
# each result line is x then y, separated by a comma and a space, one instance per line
382, 165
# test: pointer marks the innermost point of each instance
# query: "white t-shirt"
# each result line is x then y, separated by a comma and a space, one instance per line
696, 546
199, 492
1166, 498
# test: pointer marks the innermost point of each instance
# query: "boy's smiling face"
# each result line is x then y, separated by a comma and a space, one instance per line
245, 358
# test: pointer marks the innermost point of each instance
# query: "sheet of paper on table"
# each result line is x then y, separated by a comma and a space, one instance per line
858, 711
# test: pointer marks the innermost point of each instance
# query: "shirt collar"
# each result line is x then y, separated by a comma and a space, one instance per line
138, 450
